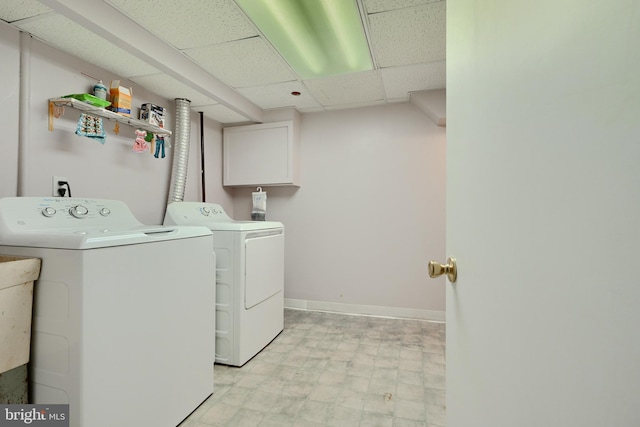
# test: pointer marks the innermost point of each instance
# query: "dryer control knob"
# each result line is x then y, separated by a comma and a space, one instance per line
78, 211
205, 211
48, 212
105, 212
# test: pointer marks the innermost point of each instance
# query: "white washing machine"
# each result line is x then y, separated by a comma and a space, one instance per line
122, 312
249, 278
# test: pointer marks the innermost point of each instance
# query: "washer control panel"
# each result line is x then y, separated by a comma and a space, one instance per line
42, 213
195, 213
76, 208
211, 210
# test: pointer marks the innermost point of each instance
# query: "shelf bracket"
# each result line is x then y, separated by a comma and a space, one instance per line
55, 111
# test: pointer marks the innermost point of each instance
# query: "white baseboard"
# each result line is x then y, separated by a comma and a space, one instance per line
366, 310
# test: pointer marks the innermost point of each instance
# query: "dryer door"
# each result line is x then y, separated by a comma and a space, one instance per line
264, 266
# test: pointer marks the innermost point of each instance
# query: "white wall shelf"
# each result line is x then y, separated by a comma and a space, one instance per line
101, 112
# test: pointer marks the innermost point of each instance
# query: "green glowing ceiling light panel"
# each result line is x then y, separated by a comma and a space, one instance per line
318, 38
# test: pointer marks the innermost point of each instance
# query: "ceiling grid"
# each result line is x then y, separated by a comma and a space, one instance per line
406, 38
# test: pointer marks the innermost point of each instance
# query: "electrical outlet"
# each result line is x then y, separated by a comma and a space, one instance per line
55, 186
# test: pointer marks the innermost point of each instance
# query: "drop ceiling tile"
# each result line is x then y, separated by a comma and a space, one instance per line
375, 6
279, 95
67, 36
15, 10
356, 88
221, 114
189, 23
399, 81
171, 88
243, 63
409, 36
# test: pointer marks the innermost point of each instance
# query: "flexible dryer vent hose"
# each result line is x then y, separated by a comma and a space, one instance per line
180, 150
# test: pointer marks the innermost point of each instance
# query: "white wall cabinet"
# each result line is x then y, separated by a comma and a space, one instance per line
262, 154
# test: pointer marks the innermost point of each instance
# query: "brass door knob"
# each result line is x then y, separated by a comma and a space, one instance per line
436, 269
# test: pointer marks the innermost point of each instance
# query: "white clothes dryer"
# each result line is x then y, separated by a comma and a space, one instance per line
249, 278
122, 316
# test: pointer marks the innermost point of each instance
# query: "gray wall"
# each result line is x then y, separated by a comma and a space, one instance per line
370, 211
360, 230
10, 78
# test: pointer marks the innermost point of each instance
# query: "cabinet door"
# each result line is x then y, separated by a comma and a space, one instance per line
259, 155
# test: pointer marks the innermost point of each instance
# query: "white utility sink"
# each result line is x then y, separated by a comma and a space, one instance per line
17, 275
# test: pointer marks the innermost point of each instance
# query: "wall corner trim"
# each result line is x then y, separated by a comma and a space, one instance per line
433, 103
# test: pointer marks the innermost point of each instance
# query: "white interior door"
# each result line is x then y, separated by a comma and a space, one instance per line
543, 213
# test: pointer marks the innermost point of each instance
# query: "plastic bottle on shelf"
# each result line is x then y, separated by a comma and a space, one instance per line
100, 90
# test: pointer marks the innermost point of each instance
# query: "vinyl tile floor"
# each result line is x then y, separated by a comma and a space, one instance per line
328, 369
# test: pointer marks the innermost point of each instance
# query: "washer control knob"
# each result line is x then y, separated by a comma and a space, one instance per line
105, 212
78, 211
205, 211
48, 211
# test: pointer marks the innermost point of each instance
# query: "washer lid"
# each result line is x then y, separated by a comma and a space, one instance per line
101, 238
213, 216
